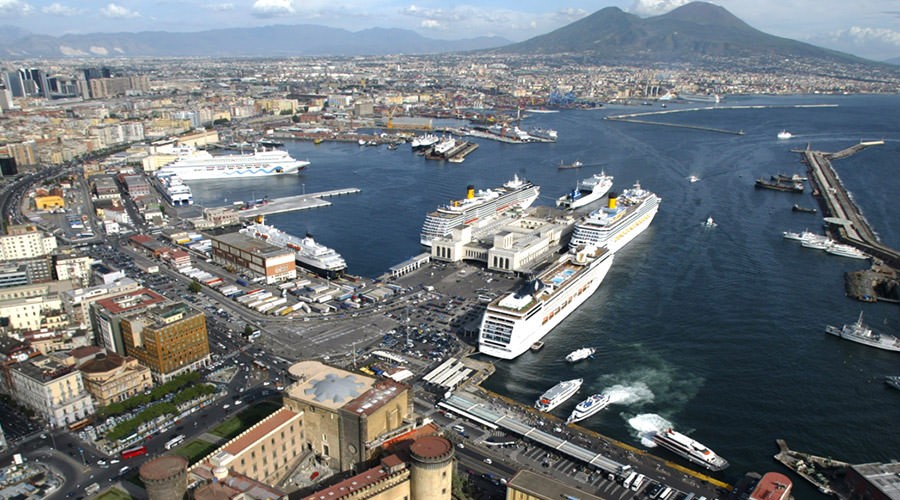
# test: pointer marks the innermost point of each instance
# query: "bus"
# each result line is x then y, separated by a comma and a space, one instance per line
134, 452
175, 441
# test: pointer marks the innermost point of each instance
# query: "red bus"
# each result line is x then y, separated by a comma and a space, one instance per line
134, 452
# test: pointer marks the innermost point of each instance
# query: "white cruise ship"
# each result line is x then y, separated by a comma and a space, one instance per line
689, 449
198, 165
513, 322
589, 407
558, 394
309, 254
588, 190
478, 207
625, 217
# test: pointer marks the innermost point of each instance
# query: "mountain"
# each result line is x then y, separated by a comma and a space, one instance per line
273, 41
695, 32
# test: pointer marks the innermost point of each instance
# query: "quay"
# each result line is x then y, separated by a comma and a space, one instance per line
576, 445
846, 222
823, 473
294, 203
630, 119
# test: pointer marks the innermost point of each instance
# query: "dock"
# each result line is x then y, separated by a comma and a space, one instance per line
632, 119
823, 473
294, 203
846, 222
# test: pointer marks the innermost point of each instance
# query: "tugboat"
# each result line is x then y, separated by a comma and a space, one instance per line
798, 208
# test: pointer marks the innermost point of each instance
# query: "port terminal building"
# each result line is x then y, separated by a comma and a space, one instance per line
254, 256
513, 245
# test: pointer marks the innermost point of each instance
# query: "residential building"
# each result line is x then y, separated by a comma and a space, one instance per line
77, 302
74, 267
52, 389
35, 306
25, 241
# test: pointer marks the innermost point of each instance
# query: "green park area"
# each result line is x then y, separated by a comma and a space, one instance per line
244, 420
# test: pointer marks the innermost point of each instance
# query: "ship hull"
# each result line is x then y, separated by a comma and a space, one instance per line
618, 236
527, 331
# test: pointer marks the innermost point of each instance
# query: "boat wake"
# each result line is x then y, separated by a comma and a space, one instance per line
646, 424
629, 394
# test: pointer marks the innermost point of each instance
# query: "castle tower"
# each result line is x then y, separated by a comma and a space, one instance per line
165, 477
431, 468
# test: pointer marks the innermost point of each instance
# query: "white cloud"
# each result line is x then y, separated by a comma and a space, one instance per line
655, 7
58, 9
273, 8
860, 35
114, 11
220, 7
100, 51
15, 8
431, 24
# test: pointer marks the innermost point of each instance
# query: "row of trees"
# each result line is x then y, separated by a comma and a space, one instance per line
155, 411
155, 394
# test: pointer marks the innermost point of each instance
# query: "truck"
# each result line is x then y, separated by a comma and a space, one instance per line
241, 281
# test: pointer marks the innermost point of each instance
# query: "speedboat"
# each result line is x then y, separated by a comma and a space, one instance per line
710, 222
784, 134
579, 354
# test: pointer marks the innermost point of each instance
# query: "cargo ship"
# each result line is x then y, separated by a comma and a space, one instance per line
516, 321
618, 223
200, 165
689, 449
558, 394
308, 253
791, 187
478, 207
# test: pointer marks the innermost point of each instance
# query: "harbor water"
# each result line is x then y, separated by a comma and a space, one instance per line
717, 331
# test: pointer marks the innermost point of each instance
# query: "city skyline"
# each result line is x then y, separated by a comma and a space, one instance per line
866, 29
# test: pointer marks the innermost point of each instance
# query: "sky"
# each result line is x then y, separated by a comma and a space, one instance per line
866, 28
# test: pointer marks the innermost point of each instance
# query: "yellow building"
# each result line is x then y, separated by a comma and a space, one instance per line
266, 452
49, 202
170, 339
346, 415
111, 378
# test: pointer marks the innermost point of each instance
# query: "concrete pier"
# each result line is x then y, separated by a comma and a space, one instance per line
846, 222
298, 202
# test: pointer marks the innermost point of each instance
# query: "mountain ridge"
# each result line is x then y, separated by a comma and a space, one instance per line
273, 40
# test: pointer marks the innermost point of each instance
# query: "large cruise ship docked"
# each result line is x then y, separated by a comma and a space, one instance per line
689, 449
309, 254
513, 322
588, 190
613, 226
198, 165
478, 207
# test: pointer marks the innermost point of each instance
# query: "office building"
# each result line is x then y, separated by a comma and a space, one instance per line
170, 339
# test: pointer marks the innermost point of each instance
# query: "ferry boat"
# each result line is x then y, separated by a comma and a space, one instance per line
588, 190
862, 334
843, 250
517, 320
588, 408
579, 354
199, 165
618, 223
175, 191
308, 253
558, 394
478, 207
689, 449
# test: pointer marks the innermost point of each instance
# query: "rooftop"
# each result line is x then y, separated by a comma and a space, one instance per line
163, 467
259, 431
350, 485
131, 300
376, 397
251, 244
541, 486
325, 385
884, 476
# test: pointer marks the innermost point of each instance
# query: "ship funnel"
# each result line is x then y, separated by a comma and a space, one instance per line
470, 192
612, 199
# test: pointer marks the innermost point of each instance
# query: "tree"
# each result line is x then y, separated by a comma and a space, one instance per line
248, 329
295, 118
195, 287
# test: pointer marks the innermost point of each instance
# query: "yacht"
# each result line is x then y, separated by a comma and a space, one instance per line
843, 250
579, 354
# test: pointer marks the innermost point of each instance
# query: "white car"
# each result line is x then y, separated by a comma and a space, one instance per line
488, 461
227, 406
